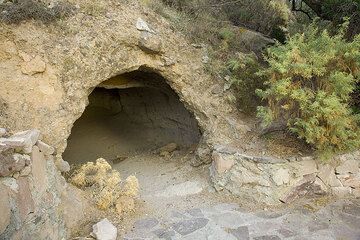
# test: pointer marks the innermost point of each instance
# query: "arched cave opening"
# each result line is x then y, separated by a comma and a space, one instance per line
127, 114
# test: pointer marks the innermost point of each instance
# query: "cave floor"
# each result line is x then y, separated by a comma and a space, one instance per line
176, 202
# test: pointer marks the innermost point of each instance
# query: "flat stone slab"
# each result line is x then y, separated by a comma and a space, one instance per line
241, 233
337, 220
189, 226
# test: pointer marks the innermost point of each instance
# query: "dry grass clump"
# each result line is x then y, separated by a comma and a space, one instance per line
106, 187
15, 12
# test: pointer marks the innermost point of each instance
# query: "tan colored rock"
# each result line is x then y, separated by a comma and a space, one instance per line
169, 148
26, 171
325, 170
327, 175
45, 148
5, 208
341, 191
62, 166
306, 166
39, 172
74, 205
222, 164
281, 176
24, 200
352, 181
301, 188
35, 65
320, 187
11, 163
164, 154
150, 43
348, 166
24, 140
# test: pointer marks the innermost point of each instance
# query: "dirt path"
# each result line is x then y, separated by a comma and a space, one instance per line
179, 204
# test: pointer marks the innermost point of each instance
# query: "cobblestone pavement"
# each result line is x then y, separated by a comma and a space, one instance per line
338, 220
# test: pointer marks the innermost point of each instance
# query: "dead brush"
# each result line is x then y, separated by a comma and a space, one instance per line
106, 187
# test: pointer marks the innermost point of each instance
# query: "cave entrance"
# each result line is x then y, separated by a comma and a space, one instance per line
128, 114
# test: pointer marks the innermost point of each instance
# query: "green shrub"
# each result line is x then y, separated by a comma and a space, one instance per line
244, 81
309, 83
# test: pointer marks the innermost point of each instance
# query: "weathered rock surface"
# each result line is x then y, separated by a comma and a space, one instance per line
10, 163
23, 140
45, 148
31, 192
271, 180
5, 208
33, 66
150, 43
104, 230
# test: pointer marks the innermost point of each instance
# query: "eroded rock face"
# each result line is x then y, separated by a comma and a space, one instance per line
47, 80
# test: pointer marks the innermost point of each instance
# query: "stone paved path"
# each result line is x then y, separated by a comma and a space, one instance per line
179, 204
339, 220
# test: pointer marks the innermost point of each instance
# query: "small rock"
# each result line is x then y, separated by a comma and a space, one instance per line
348, 166
150, 43
341, 191
141, 25
164, 154
26, 171
24, 140
35, 65
307, 166
168, 148
104, 230
16, 175
352, 181
11, 163
281, 176
222, 164
62, 165
2, 132
300, 189
325, 172
319, 187
45, 148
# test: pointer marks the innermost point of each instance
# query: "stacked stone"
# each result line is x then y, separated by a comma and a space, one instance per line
30, 188
272, 181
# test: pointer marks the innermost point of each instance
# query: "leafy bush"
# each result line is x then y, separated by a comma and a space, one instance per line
310, 80
22, 10
244, 80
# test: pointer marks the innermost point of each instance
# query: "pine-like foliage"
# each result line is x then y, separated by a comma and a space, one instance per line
309, 83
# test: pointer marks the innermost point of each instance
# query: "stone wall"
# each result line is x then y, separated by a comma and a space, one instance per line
272, 181
33, 192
